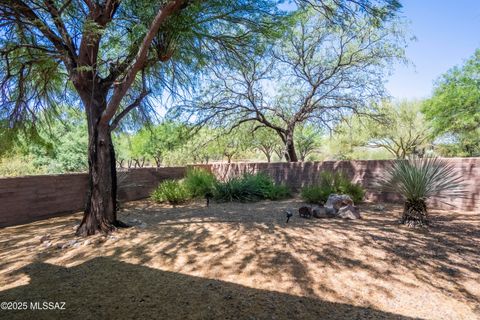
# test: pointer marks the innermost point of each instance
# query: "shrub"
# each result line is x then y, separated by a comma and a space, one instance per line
355, 191
419, 179
332, 182
236, 189
250, 187
278, 192
171, 191
316, 193
199, 182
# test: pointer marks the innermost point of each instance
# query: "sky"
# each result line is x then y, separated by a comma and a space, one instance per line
447, 32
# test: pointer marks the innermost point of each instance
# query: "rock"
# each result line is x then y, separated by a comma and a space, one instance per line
113, 238
142, 225
60, 245
45, 238
331, 212
338, 200
47, 244
349, 212
378, 207
305, 212
320, 212
86, 242
72, 242
76, 245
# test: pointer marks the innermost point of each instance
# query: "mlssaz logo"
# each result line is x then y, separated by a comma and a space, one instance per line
47, 305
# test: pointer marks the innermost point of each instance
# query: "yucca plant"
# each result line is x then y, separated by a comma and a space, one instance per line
419, 179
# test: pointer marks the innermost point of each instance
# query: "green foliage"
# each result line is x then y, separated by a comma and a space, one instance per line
279, 192
398, 128
155, 142
316, 193
250, 187
332, 182
200, 182
454, 109
421, 179
171, 191
14, 166
307, 139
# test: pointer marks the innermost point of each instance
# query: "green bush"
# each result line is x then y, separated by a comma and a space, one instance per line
250, 187
355, 191
171, 191
199, 182
278, 192
316, 194
332, 182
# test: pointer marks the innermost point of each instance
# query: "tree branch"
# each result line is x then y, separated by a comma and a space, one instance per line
121, 88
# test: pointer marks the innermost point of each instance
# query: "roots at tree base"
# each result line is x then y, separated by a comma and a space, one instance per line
415, 214
92, 227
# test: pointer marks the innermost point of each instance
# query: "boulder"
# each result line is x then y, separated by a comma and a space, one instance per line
305, 212
331, 212
338, 200
319, 212
349, 212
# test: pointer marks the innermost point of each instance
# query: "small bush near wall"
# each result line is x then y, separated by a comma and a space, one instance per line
200, 182
250, 187
329, 183
171, 191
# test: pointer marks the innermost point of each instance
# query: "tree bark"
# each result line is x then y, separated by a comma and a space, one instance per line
415, 214
100, 213
290, 153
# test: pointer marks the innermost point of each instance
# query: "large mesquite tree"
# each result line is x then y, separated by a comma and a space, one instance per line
317, 73
109, 56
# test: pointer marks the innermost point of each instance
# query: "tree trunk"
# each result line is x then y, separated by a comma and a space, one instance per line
415, 214
100, 213
290, 153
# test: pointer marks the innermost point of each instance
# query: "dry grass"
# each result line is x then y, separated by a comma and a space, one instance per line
241, 261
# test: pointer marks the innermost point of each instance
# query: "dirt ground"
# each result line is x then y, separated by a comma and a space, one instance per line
242, 261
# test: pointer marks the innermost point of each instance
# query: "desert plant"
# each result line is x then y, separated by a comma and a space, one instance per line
419, 179
199, 182
171, 191
332, 182
236, 189
278, 192
250, 187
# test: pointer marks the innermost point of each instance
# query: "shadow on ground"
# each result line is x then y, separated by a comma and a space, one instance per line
156, 294
263, 268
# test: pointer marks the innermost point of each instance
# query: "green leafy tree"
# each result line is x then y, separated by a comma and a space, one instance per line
400, 129
110, 55
319, 73
307, 138
454, 109
266, 141
153, 143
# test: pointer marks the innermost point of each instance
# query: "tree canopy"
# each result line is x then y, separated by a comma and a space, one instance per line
454, 108
317, 72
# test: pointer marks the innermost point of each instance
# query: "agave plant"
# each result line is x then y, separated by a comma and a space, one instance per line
419, 179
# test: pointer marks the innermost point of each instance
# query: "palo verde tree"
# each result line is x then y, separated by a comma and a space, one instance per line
317, 73
109, 56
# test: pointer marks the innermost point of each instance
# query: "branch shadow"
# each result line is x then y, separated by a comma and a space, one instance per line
96, 290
